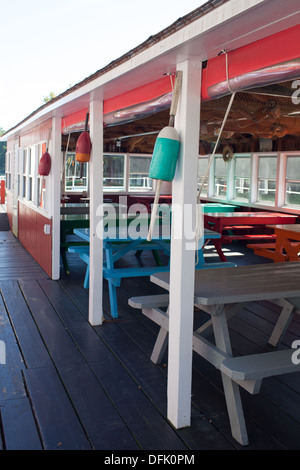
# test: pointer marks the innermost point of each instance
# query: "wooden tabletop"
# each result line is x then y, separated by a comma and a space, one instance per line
286, 227
242, 283
122, 233
262, 217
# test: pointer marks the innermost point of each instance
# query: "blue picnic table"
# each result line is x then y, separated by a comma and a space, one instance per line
118, 241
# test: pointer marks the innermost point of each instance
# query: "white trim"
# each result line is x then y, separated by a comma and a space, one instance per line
96, 222
182, 271
54, 176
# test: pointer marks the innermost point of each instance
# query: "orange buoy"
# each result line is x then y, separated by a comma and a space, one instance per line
44, 165
83, 146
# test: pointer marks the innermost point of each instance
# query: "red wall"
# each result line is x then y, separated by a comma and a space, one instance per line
9, 208
33, 238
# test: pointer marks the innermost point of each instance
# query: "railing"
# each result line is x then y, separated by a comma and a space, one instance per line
136, 181
75, 183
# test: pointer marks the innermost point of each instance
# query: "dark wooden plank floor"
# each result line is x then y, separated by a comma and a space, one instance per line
68, 385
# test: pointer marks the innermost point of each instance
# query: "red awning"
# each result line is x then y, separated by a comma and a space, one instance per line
273, 59
129, 106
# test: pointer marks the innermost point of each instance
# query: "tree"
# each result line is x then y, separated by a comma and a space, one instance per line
2, 153
49, 97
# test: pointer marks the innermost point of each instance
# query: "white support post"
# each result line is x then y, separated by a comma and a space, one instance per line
96, 222
55, 184
184, 195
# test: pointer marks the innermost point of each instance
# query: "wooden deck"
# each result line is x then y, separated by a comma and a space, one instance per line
68, 385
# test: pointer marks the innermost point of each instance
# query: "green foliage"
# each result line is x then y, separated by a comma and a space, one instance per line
49, 97
2, 157
2, 153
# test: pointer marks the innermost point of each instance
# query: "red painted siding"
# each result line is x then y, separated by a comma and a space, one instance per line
9, 208
32, 236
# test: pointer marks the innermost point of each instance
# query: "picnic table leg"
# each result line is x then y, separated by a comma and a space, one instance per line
161, 342
155, 256
63, 254
112, 283
218, 246
283, 322
87, 276
231, 389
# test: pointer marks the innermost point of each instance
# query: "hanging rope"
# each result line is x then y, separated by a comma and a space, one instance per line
199, 230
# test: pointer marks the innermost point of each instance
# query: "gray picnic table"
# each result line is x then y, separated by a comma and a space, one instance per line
222, 293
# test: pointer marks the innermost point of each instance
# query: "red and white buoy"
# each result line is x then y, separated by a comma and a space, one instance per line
83, 147
44, 167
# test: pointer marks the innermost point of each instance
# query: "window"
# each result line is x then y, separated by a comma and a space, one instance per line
139, 173
30, 164
292, 183
114, 172
202, 169
24, 172
75, 181
20, 171
267, 179
242, 178
220, 177
8, 170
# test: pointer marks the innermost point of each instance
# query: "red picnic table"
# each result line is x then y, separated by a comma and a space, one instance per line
243, 226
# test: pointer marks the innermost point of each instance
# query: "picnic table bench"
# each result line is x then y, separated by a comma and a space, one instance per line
118, 243
248, 226
222, 293
286, 247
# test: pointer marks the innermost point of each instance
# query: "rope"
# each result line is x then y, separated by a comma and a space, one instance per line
199, 217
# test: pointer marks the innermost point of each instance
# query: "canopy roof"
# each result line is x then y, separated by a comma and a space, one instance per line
253, 36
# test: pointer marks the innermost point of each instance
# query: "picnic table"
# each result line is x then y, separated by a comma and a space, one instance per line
75, 216
217, 207
286, 247
119, 241
243, 226
222, 293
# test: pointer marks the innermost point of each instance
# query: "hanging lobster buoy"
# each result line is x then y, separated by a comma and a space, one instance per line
44, 170
44, 164
165, 152
165, 155
83, 147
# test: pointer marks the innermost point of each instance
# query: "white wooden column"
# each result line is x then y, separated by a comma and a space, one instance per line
96, 222
184, 191
55, 189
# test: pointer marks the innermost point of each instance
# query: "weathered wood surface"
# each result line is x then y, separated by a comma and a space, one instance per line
68, 385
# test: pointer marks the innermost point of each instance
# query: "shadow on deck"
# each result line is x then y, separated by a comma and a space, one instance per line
68, 385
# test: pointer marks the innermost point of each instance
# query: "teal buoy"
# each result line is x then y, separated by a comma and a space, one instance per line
165, 155
165, 152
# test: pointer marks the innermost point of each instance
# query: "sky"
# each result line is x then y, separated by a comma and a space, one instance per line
48, 46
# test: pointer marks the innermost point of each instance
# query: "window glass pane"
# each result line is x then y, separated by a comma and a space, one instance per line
267, 179
30, 190
139, 173
73, 181
220, 177
293, 168
113, 171
292, 186
242, 178
267, 167
24, 161
28, 167
202, 169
